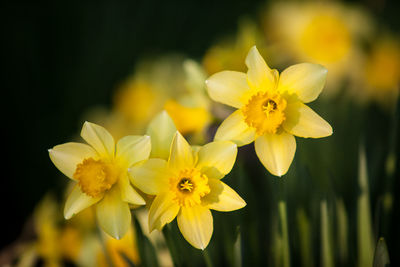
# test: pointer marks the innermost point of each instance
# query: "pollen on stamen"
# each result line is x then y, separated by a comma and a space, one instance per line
185, 185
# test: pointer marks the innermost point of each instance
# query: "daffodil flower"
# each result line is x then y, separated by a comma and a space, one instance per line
271, 109
186, 181
100, 170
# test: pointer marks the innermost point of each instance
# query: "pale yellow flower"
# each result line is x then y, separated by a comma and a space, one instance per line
324, 32
271, 108
100, 170
379, 79
186, 181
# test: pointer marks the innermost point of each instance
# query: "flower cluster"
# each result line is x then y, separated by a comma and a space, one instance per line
183, 181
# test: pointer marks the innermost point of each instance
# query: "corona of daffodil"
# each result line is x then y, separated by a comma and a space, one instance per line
186, 181
100, 170
271, 109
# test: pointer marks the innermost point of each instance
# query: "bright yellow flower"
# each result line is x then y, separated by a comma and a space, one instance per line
186, 181
187, 119
271, 108
100, 170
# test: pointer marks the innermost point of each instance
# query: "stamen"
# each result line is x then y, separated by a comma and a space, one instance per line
185, 185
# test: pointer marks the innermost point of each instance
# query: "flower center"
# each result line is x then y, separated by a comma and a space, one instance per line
95, 176
265, 112
185, 185
189, 186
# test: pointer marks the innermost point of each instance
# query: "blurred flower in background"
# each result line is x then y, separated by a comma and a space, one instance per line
171, 82
378, 79
324, 32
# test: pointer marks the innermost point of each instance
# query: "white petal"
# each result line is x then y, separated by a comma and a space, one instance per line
276, 152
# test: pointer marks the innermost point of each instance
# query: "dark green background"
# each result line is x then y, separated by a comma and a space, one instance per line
61, 57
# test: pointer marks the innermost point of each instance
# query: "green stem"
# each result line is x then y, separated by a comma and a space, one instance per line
171, 245
327, 257
285, 234
207, 258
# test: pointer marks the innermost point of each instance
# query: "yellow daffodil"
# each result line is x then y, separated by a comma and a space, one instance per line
186, 181
100, 170
271, 108
323, 32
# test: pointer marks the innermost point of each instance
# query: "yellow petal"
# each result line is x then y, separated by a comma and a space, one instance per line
222, 197
228, 87
113, 214
163, 210
161, 130
181, 156
216, 159
235, 129
150, 176
67, 156
196, 225
128, 194
99, 138
276, 152
132, 149
196, 150
259, 75
78, 201
306, 80
304, 122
